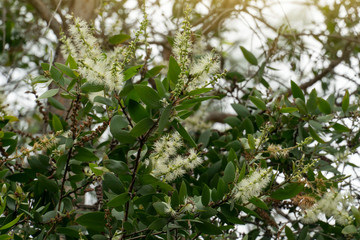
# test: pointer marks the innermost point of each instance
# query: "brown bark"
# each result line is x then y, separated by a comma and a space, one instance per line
46, 14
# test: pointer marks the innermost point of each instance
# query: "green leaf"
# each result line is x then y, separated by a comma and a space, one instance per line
132, 71
12, 223
85, 155
65, 69
301, 106
93, 221
119, 38
315, 124
173, 72
49, 93
249, 56
71, 62
160, 88
175, 199
119, 200
242, 172
289, 234
205, 195
5, 237
148, 95
158, 224
248, 125
345, 102
350, 229
68, 231
118, 122
39, 79
232, 156
241, 110
288, 109
221, 188
137, 111
259, 203
204, 138
141, 127
340, 128
233, 121
95, 169
161, 208
182, 192
164, 118
258, 102
154, 71
184, 133
356, 214
251, 141
113, 183
103, 100
55, 103
290, 190
311, 103
235, 76
208, 228
315, 136
48, 184
296, 91
56, 123
57, 76
91, 87
116, 166
324, 106
229, 173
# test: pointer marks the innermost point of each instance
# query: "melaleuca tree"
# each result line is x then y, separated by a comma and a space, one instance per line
135, 138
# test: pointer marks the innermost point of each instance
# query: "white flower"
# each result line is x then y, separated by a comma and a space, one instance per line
189, 205
310, 217
166, 163
209, 63
198, 121
332, 205
202, 70
252, 186
98, 67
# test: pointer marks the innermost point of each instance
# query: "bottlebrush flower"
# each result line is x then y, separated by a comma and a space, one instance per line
332, 204
166, 163
252, 185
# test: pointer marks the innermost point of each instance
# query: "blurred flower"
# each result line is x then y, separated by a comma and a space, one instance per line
332, 204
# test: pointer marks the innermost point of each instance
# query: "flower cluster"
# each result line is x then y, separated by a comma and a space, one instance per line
167, 164
333, 204
252, 186
95, 65
277, 151
207, 65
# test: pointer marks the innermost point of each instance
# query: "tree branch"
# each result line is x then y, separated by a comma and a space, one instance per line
325, 72
46, 14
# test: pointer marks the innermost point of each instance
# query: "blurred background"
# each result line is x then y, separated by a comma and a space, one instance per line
314, 43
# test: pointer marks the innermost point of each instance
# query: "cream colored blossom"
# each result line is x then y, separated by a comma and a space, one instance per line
252, 186
332, 204
167, 163
97, 66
